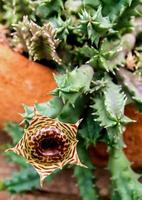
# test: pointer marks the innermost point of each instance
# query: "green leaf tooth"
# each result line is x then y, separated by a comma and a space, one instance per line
116, 107
22, 181
110, 112
94, 25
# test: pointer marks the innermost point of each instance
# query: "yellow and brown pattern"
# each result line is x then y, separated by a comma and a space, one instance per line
48, 144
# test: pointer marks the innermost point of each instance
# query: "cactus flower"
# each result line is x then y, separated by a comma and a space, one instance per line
48, 144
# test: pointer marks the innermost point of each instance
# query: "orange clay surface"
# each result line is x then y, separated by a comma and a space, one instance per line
133, 141
133, 137
21, 82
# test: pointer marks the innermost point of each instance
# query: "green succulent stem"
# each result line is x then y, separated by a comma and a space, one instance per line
70, 96
124, 181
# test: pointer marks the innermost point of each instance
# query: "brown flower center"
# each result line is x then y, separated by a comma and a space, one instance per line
49, 146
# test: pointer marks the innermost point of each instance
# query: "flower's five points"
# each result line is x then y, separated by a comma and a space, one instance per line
48, 144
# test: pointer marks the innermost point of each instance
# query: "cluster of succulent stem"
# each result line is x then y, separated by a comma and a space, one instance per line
89, 44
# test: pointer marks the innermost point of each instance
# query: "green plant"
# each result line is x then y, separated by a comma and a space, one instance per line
88, 42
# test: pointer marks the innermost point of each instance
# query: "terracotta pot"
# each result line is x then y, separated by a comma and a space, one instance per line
21, 82
132, 138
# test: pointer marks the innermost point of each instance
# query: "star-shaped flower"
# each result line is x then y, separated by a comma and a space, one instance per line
48, 144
